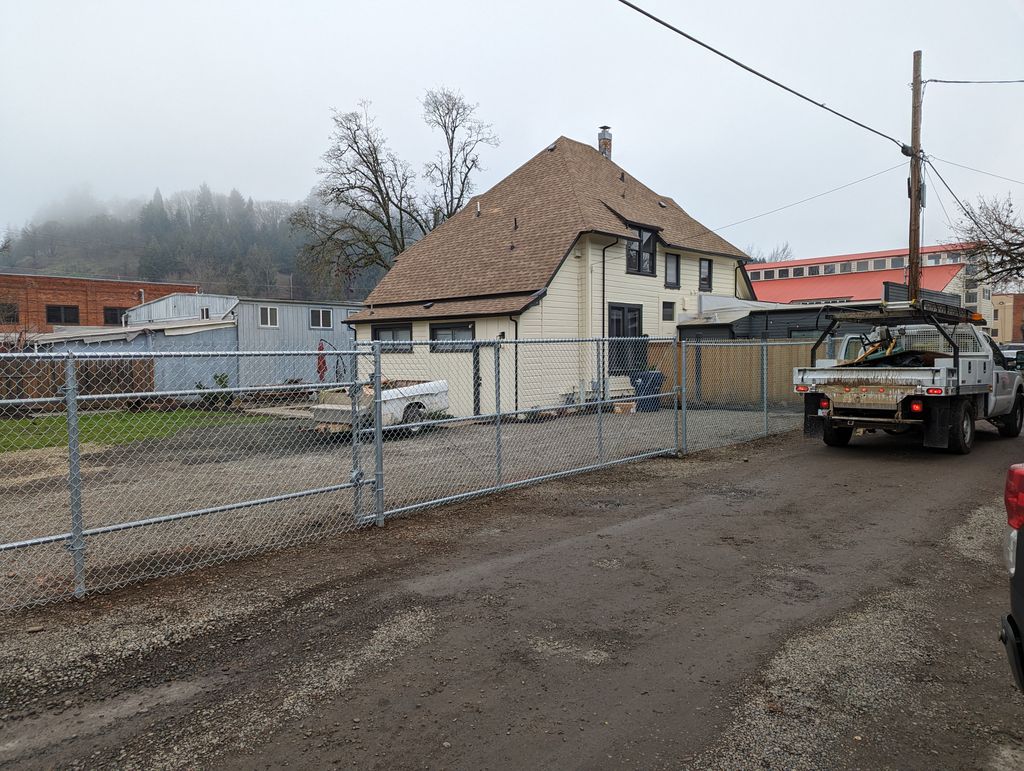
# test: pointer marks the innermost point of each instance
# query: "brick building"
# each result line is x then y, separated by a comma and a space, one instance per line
1008, 318
39, 303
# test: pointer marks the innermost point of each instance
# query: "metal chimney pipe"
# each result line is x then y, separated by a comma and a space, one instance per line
604, 142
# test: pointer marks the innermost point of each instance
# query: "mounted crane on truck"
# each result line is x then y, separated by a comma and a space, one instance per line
924, 367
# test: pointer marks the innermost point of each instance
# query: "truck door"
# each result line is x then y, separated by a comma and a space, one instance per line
1002, 381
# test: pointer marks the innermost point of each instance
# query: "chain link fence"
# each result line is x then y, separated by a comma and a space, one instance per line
117, 466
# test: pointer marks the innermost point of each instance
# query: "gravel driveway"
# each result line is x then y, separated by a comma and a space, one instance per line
771, 605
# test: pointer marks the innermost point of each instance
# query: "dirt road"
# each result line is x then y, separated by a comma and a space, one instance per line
776, 604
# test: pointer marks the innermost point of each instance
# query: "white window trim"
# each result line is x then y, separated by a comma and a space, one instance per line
277, 317
321, 311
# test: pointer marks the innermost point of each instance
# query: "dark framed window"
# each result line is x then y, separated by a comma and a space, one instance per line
629, 355
112, 316
828, 268
321, 318
268, 316
755, 275
8, 313
641, 253
783, 272
62, 314
704, 277
863, 265
898, 262
392, 333
798, 272
672, 271
878, 265
450, 338
204, 313
813, 270
845, 267
668, 311
769, 274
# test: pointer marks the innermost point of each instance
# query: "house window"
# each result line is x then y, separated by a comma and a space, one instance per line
783, 272
986, 293
451, 337
995, 314
640, 254
828, 268
971, 297
268, 316
112, 316
769, 274
898, 262
798, 272
320, 318
878, 265
62, 314
934, 259
668, 311
865, 265
629, 355
8, 313
755, 275
392, 333
845, 267
813, 270
672, 271
204, 314
704, 282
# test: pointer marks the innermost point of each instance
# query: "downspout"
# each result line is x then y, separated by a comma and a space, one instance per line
604, 304
515, 364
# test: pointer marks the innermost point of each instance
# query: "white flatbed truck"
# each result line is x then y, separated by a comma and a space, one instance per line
924, 367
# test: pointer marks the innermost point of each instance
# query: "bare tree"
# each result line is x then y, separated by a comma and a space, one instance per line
367, 208
451, 172
992, 233
780, 253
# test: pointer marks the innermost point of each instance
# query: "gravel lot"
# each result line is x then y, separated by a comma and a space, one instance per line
213, 466
770, 605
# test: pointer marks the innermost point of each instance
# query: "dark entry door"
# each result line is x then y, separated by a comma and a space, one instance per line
626, 356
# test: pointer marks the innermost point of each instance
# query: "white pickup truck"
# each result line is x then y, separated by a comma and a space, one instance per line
933, 377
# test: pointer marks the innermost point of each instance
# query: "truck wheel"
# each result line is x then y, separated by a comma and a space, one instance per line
961, 428
1011, 425
413, 414
836, 436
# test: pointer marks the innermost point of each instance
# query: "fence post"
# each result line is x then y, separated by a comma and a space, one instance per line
355, 389
683, 397
599, 345
378, 436
764, 381
676, 399
77, 543
497, 412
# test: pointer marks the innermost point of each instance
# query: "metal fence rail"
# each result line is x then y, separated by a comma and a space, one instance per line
118, 466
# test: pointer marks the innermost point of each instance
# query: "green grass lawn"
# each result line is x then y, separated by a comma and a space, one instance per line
110, 427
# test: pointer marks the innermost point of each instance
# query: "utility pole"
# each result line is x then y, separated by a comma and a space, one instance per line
914, 151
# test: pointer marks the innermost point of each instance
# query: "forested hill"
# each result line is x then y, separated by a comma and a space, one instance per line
226, 243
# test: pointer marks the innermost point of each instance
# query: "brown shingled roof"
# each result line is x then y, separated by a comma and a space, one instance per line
527, 224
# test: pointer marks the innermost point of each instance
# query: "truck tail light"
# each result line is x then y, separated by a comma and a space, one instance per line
824, 403
1013, 496
917, 406
934, 391
802, 389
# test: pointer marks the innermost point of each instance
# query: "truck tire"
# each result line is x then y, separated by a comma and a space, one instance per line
836, 436
961, 427
413, 414
1011, 425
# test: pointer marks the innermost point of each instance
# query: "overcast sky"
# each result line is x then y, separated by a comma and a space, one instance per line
128, 96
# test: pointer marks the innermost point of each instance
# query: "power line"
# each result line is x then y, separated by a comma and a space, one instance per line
979, 171
973, 82
811, 198
965, 209
759, 74
942, 205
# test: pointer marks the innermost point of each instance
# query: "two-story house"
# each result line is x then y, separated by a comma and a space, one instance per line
569, 245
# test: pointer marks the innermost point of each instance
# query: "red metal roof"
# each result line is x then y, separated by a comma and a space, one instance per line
853, 257
849, 286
